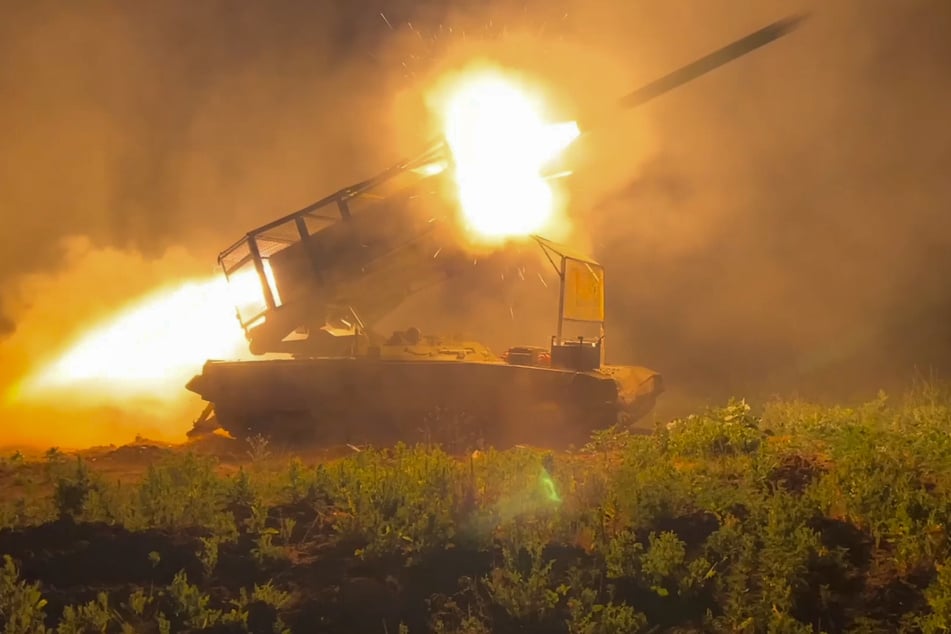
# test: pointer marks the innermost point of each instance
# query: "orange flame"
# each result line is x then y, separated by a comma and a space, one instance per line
153, 345
497, 129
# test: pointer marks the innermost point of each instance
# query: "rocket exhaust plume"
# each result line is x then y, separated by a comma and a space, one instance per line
149, 347
496, 129
120, 373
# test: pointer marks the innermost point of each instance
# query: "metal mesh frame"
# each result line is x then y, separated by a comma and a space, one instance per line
260, 244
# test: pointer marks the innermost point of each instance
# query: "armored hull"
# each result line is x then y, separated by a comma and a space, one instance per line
457, 403
314, 284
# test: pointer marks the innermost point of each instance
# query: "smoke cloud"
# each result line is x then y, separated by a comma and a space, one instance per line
789, 229
7, 327
96, 286
777, 226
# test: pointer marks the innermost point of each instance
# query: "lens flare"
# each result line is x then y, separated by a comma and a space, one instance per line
500, 142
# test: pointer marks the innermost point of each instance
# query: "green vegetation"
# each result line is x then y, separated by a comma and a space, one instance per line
791, 518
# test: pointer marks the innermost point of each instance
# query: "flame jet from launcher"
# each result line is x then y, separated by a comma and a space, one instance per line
329, 272
677, 78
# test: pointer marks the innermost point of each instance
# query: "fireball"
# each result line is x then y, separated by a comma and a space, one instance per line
501, 140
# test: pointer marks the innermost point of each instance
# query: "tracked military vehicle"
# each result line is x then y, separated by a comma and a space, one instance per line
323, 278
324, 282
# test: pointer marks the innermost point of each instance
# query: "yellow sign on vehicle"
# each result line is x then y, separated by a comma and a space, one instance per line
584, 291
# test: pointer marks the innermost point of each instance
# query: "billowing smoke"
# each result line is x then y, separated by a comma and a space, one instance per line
777, 225
7, 327
789, 230
139, 395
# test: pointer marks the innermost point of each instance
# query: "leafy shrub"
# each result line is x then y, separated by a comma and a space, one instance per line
803, 518
725, 431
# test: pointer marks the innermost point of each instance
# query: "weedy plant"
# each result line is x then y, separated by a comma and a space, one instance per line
792, 518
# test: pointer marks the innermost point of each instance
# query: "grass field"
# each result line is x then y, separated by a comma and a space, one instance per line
780, 517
